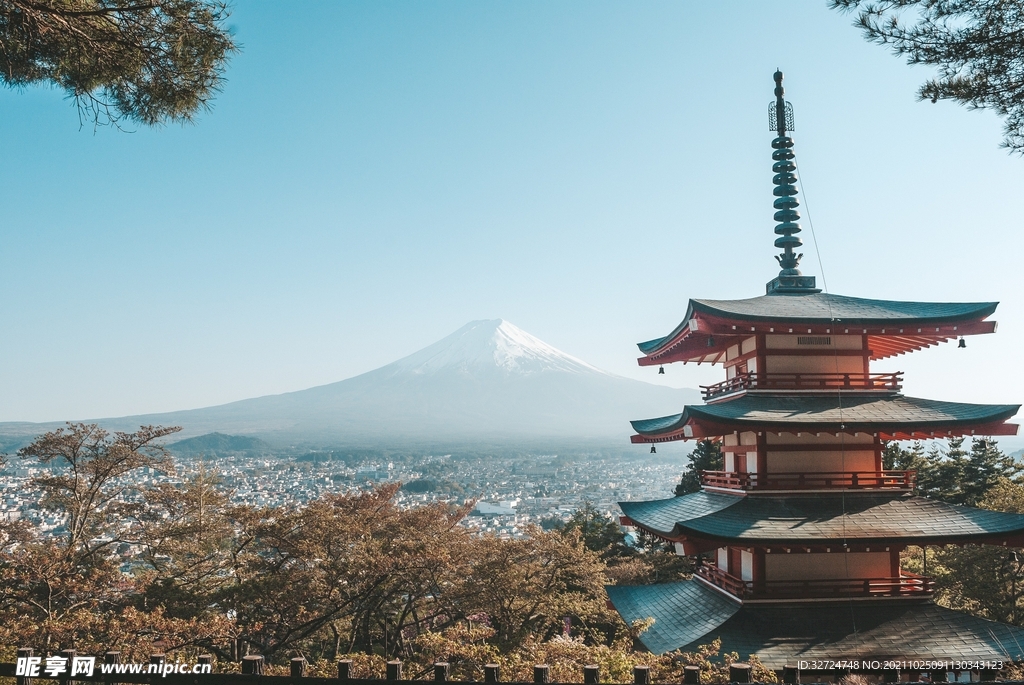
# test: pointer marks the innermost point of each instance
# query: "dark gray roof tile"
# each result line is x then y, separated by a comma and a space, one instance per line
687, 614
829, 412
823, 518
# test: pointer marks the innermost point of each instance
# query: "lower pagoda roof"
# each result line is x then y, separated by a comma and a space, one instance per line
891, 416
688, 614
805, 520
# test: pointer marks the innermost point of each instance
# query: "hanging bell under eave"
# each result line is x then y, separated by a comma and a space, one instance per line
653, 450
711, 341
962, 344
661, 370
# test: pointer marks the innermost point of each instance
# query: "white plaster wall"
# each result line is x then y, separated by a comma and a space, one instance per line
751, 462
823, 363
820, 565
795, 462
746, 565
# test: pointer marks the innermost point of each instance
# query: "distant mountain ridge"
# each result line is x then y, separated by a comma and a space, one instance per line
488, 382
218, 443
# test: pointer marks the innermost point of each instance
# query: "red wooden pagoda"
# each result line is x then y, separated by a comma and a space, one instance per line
801, 533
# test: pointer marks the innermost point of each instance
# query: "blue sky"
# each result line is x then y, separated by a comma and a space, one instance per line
375, 175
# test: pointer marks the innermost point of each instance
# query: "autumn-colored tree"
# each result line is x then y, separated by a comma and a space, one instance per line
177, 567
57, 586
985, 580
354, 567
528, 587
187, 543
67, 590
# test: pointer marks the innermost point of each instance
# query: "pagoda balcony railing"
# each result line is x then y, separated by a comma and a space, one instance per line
906, 585
811, 480
890, 382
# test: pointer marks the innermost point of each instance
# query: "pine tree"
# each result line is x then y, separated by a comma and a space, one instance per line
707, 456
945, 471
149, 62
977, 48
895, 458
951, 473
598, 532
983, 469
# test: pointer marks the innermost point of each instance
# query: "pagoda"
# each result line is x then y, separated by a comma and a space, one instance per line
799, 537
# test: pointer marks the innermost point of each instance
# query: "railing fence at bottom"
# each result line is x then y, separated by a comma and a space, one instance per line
253, 667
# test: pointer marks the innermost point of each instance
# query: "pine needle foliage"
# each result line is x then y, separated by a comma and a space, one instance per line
707, 456
976, 46
145, 61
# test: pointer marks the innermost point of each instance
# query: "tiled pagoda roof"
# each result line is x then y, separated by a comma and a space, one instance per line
683, 612
823, 308
891, 415
781, 634
893, 327
806, 520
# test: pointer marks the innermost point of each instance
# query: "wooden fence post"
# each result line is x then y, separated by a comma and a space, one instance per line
252, 664
24, 653
691, 675
344, 669
541, 673
791, 675
739, 673
69, 658
394, 670
298, 667
490, 673
156, 660
440, 672
109, 658
591, 674
641, 675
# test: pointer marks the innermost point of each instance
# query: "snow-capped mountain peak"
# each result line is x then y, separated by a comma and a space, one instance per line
489, 346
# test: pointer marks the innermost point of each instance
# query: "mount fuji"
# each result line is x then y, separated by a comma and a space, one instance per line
489, 382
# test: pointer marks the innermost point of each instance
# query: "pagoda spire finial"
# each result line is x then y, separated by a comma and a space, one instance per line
780, 120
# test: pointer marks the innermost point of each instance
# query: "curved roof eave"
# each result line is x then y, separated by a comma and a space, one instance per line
684, 611
830, 413
825, 308
796, 520
822, 309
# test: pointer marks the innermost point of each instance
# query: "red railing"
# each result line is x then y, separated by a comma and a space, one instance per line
906, 585
811, 480
716, 576
805, 381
